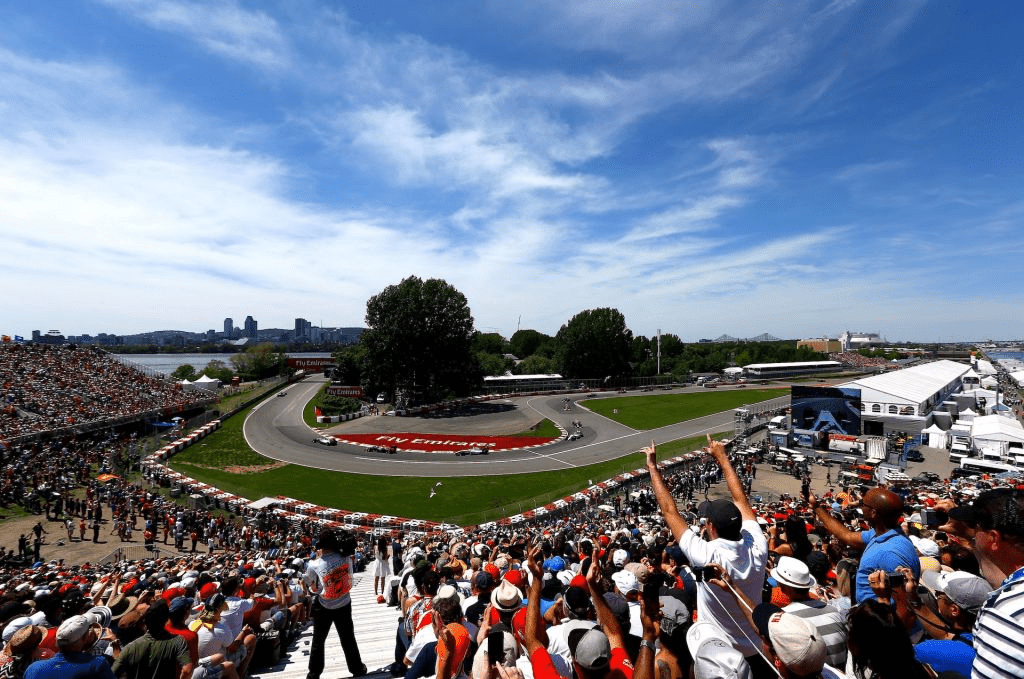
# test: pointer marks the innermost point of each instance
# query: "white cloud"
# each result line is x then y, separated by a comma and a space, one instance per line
219, 26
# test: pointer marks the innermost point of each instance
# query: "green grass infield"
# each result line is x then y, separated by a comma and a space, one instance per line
461, 500
659, 410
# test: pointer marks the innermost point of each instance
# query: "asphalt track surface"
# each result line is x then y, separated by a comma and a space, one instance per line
275, 429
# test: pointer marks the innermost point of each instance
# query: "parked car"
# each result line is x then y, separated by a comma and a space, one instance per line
927, 477
914, 455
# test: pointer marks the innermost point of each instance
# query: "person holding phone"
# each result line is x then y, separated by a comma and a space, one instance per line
736, 542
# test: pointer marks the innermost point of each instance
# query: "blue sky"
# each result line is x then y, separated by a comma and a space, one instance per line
793, 168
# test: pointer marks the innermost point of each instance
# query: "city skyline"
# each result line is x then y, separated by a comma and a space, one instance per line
795, 169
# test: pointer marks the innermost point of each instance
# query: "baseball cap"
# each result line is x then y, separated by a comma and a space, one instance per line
578, 602
625, 581
673, 614
179, 604
796, 642
75, 628
964, 589
723, 514
714, 656
592, 650
620, 557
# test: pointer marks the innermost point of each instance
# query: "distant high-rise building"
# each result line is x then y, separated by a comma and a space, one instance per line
36, 335
250, 327
302, 327
229, 325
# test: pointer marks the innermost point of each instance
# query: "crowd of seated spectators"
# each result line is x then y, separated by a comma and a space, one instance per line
852, 359
905, 582
47, 387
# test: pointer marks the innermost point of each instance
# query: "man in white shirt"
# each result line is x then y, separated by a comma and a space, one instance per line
735, 541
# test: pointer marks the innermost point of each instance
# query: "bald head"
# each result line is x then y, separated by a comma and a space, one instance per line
887, 505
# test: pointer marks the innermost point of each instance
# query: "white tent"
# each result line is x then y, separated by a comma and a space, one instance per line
937, 438
1018, 377
208, 383
997, 433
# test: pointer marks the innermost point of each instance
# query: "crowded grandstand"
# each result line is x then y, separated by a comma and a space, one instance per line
921, 579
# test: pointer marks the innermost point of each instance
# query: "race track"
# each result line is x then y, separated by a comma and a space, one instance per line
275, 429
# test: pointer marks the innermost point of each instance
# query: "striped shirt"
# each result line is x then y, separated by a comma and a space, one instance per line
830, 624
999, 632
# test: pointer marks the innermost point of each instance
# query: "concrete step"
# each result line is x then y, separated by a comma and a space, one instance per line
375, 624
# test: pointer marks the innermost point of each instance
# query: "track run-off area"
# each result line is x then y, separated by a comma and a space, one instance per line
275, 429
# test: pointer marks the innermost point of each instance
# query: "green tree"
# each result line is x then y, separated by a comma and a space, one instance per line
258, 362
350, 360
489, 343
184, 372
218, 370
526, 343
419, 341
493, 364
536, 365
594, 343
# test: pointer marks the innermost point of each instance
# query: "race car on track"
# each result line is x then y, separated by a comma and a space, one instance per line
325, 441
475, 450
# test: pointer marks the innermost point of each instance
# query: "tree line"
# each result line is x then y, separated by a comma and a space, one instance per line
421, 345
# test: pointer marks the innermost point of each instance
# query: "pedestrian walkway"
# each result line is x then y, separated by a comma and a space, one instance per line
375, 626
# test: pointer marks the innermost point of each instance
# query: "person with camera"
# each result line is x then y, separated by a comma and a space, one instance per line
329, 576
885, 546
733, 539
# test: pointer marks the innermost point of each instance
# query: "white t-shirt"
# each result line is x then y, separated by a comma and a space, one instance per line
744, 560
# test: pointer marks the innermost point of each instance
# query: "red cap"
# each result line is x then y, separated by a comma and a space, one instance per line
517, 578
579, 581
208, 590
170, 594
604, 540
493, 570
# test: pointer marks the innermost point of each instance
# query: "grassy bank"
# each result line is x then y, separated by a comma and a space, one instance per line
463, 501
651, 412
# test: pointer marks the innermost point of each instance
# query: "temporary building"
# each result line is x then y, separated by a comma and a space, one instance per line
998, 433
208, 383
937, 438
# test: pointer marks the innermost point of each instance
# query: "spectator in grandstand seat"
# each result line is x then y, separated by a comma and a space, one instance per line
74, 636
885, 546
879, 644
158, 654
994, 524
215, 638
453, 640
736, 542
330, 577
795, 580
20, 651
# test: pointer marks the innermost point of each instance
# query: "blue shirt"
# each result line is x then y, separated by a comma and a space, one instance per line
947, 654
71, 666
886, 552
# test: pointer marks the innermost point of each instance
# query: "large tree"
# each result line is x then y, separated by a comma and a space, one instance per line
594, 344
418, 341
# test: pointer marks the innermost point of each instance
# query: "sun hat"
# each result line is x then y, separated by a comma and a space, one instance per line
793, 572
506, 597
714, 656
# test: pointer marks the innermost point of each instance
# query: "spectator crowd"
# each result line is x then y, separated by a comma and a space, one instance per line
920, 580
47, 387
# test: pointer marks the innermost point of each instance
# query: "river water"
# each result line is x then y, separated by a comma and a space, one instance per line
168, 363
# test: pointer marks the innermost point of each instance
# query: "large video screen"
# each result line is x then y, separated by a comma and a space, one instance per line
826, 410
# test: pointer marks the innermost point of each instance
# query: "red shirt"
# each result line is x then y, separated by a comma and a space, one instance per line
190, 637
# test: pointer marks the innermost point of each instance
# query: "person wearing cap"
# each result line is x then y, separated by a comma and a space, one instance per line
795, 581
948, 616
736, 542
994, 526
792, 644
886, 547
21, 649
157, 654
330, 577
713, 654
216, 643
74, 636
